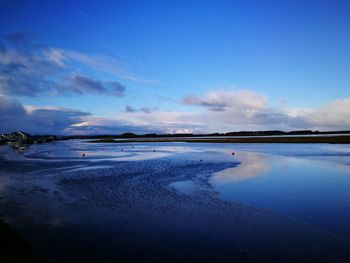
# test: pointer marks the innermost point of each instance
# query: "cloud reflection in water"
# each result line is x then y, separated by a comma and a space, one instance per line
252, 165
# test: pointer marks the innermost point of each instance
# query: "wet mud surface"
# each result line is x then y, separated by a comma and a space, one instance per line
130, 205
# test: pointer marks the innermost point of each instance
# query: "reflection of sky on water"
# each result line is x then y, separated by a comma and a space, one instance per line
251, 166
316, 191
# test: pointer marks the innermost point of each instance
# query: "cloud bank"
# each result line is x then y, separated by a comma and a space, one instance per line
14, 116
242, 110
238, 110
61, 121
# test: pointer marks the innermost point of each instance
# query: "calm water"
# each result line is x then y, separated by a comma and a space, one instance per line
316, 191
146, 202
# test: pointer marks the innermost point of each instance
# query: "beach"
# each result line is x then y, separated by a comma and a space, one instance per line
173, 201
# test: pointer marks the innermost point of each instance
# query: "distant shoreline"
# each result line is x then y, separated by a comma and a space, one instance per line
20, 139
332, 139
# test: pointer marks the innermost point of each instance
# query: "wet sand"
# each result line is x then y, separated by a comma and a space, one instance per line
108, 210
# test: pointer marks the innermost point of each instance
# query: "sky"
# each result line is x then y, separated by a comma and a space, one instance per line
109, 67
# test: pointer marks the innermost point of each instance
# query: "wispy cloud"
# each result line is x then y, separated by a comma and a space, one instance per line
79, 84
62, 57
29, 69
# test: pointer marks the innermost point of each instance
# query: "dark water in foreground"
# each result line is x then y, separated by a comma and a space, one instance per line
176, 202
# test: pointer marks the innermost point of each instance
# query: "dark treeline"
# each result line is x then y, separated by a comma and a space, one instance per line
238, 133
28, 139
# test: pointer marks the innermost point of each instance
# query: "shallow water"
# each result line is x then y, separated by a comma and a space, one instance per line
315, 191
143, 202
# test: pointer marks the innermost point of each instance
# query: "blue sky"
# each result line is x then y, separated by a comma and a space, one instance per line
184, 66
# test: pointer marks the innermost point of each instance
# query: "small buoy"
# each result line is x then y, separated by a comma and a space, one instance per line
233, 153
154, 151
83, 154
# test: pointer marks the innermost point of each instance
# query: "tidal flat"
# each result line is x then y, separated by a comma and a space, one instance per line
77, 201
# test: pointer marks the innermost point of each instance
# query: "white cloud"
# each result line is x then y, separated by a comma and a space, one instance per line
244, 109
335, 115
252, 116
225, 100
